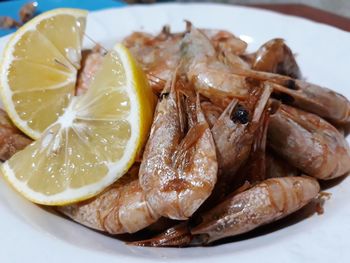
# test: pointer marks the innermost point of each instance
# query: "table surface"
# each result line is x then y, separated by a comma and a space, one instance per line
11, 8
309, 12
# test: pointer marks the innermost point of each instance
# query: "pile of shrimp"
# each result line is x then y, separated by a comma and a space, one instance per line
238, 140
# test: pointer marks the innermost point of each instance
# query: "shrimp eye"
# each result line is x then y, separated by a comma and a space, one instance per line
163, 95
240, 115
285, 98
291, 84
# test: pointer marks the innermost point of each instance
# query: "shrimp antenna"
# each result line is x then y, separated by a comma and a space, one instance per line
61, 63
95, 42
154, 78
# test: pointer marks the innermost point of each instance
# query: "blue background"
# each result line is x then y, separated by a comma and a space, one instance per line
11, 8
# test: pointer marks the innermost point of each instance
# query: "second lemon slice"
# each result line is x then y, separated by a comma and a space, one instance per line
93, 143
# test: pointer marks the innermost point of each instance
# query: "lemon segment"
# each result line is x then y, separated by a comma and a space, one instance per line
39, 68
93, 143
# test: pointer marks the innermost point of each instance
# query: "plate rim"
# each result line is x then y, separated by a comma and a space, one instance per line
189, 5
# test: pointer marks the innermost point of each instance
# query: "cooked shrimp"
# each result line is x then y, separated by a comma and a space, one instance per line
276, 57
264, 203
206, 71
234, 134
121, 208
90, 63
12, 139
158, 55
179, 168
224, 41
309, 143
255, 169
27, 11
228, 47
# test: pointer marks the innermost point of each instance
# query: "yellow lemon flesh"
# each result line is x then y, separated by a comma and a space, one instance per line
93, 143
39, 68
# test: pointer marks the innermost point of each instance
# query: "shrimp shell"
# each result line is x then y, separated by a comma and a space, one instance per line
27, 11
211, 112
90, 64
309, 143
12, 139
277, 167
276, 57
122, 208
262, 204
204, 69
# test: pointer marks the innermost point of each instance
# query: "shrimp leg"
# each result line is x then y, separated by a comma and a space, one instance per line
177, 236
276, 57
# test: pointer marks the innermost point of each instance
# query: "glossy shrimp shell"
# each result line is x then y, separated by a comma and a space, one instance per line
262, 204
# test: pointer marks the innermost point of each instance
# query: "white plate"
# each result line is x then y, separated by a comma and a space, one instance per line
31, 234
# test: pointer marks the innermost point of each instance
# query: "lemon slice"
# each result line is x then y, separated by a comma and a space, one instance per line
39, 69
93, 143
